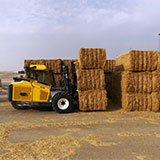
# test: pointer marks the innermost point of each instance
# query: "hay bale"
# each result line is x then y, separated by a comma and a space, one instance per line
27, 63
52, 64
158, 67
92, 58
140, 82
92, 100
90, 79
156, 81
57, 78
156, 101
77, 66
109, 66
136, 102
141, 102
132, 82
135, 60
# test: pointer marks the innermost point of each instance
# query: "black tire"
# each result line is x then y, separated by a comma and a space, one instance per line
63, 103
15, 106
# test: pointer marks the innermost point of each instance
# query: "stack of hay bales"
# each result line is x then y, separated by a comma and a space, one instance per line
136, 81
55, 65
108, 70
91, 79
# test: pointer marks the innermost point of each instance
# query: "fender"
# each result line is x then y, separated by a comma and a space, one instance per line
53, 94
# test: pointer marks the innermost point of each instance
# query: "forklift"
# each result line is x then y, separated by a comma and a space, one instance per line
38, 88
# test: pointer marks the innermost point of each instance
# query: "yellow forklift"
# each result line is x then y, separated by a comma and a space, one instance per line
38, 88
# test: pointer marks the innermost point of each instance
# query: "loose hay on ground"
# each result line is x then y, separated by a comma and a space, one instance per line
52, 147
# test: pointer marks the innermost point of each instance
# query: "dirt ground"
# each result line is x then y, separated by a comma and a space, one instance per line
110, 135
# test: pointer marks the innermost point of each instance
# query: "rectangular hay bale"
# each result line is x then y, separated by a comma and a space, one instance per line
109, 66
52, 64
156, 81
141, 102
156, 101
92, 58
140, 82
57, 78
136, 102
132, 82
136, 60
92, 100
90, 79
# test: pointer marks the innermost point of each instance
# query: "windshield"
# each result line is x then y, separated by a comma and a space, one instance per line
41, 76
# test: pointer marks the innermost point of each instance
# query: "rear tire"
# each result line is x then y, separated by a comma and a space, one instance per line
63, 103
15, 106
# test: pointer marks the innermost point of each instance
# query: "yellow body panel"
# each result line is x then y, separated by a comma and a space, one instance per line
20, 88
38, 67
30, 91
40, 92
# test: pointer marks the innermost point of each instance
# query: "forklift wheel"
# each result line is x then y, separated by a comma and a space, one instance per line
62, 103
14, 105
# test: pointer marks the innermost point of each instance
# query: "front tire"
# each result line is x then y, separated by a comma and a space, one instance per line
63, 103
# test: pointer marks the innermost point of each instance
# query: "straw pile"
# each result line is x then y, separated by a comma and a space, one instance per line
136, 81
109, 69
91, 79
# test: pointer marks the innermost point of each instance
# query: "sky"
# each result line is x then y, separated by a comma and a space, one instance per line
34, 29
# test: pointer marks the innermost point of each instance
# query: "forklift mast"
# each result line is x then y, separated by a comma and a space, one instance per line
69, 87
65, 78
